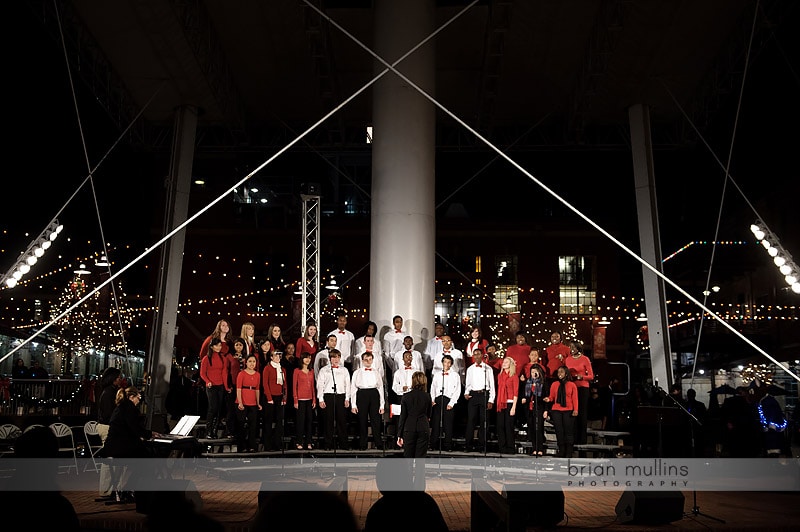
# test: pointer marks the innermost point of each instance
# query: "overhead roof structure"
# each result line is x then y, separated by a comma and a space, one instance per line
534, 77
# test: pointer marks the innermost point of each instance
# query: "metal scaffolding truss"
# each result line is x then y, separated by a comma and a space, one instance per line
310, 268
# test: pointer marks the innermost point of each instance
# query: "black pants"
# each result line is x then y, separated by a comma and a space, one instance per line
336, 415
445, 422
505, 430
564, 423
247, 428
273, 425
368, 402
415, 443
476, 411
536, 424
231, 414
304, 422
216, 403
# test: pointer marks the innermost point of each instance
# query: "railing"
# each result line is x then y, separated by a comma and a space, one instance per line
61, 397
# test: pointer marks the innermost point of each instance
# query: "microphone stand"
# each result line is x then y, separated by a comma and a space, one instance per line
441, 420
695, 508
485, 410
335, 434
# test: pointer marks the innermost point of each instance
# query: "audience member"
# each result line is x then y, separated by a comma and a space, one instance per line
20, 370
322, 510
46, 508
394, 478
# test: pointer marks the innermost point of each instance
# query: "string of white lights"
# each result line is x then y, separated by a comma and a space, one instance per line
31, 256
782, 259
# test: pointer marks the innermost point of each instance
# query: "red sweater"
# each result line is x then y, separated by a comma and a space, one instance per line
507, 387
249, 385
303, 346
520, 354
214, 372
581, 370
553, 363
233, 367
303, 385
269, 380
572, 397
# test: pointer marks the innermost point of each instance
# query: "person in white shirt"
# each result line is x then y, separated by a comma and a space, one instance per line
445, 391
345, 341
393, 339
479, 393
457, 356
434, 347
416, 356
378, 364
370, 329
322, 358
402, 377
333, 390
366, 393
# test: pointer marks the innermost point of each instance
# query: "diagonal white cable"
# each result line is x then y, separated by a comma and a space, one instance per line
546, 189
724, 188
239, 183
90, 178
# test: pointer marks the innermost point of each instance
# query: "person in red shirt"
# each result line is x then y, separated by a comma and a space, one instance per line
563, 409
305, 401
273, 382
580, 369
507, 396
222, 331
213, 372
309, 343
248, 404
555, 354
234, 363
476, 341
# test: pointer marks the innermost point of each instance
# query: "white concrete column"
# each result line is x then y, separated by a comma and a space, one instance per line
402, 261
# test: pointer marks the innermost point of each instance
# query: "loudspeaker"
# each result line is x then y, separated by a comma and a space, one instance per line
535, 508
177, 495
650, 507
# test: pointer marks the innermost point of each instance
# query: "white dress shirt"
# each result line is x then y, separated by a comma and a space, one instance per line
360, 347
416, 360
478, 376
452, 386
365, 379
402, 377
326, 378
321, 360
393, 341
345, 343
378, 364
458, 361
433, 349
